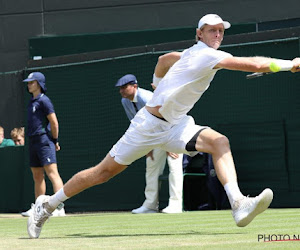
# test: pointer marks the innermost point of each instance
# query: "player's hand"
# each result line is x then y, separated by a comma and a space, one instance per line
57, 147
173, 155
150, 154
296, 67
153, 86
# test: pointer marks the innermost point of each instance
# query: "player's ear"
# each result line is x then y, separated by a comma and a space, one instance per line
199, 33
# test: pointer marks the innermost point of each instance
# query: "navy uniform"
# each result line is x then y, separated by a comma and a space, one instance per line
42, 146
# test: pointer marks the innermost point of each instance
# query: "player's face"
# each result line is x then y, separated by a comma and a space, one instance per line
33, 86
212, 35
128, 91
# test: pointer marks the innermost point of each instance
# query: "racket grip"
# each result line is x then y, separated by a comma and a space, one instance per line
254, 75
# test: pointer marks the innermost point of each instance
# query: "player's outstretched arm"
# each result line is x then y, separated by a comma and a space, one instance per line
259, 64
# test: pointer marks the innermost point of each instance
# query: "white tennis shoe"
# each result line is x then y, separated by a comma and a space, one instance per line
39, 216
59, 212
245, 209
56, 213
28, 212
172, 210
143, 210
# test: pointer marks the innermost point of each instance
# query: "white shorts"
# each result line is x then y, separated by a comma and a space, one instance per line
147, 132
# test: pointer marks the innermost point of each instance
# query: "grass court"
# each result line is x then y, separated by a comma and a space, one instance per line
274, 229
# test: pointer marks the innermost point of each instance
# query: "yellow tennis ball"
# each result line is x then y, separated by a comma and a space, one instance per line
274, 67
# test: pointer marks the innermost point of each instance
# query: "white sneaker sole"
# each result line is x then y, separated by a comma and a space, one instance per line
34, 231
31, 232
145, 212
166, 211
262, 205
25, 214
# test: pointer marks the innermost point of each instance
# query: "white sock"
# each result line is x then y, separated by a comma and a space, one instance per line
57, 198
233, 192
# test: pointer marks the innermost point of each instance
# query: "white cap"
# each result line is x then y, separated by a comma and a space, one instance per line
212, 19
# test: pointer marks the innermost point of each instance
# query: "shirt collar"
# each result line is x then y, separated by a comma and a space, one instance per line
135, 96
39, 96
201, 44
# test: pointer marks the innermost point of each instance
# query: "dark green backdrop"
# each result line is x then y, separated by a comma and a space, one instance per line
260, 117
49, 46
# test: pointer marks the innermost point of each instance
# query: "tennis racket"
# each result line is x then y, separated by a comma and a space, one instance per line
258, 74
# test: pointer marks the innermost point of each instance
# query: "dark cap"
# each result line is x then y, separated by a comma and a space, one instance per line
125, 80
39, 77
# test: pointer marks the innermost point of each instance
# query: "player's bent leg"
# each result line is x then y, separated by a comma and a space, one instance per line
216, 144
244, 209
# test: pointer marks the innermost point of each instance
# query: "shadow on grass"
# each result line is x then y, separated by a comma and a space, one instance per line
83, 235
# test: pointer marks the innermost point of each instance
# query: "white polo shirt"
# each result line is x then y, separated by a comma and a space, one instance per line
186, 81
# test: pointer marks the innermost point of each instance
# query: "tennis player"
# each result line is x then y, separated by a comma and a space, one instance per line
164, 123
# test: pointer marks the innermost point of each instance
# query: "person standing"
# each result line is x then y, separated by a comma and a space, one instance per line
133, 99
164, 122
43, 141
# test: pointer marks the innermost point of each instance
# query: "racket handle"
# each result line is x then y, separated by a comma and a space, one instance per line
254, 75
258, 74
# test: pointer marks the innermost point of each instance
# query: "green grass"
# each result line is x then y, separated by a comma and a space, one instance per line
189, 230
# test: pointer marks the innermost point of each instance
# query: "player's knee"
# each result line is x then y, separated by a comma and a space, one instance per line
221, 142
102, 176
